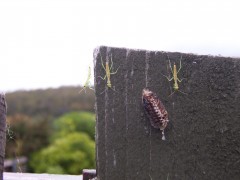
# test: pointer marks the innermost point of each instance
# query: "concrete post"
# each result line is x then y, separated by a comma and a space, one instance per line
3, 111
203, 134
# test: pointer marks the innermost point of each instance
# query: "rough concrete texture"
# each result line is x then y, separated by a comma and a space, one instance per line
203, 135
3, 111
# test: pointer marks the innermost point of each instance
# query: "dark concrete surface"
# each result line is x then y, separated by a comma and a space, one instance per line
203, 135
3, 111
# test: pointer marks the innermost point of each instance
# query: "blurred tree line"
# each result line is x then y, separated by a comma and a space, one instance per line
49, 102
54, 128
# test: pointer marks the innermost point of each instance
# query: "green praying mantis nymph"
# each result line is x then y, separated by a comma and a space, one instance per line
108, 72
87, 83
175, 77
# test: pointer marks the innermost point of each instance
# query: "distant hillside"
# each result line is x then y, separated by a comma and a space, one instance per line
50, 102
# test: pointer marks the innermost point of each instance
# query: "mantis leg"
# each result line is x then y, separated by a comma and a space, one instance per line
103, 78
110, 88
180, 65
114, 90
170, 64
169, 79
82, 90
171, 93
112, 66
180, 80
182, 92
102, 62
115, 71
91, 88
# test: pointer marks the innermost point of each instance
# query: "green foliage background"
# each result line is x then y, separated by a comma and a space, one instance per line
69, 155
75, 122
54, 128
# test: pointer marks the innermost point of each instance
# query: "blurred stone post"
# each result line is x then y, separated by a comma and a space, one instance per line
3, 111
203, 135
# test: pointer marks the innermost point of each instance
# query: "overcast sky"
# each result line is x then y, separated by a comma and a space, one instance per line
49, 43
